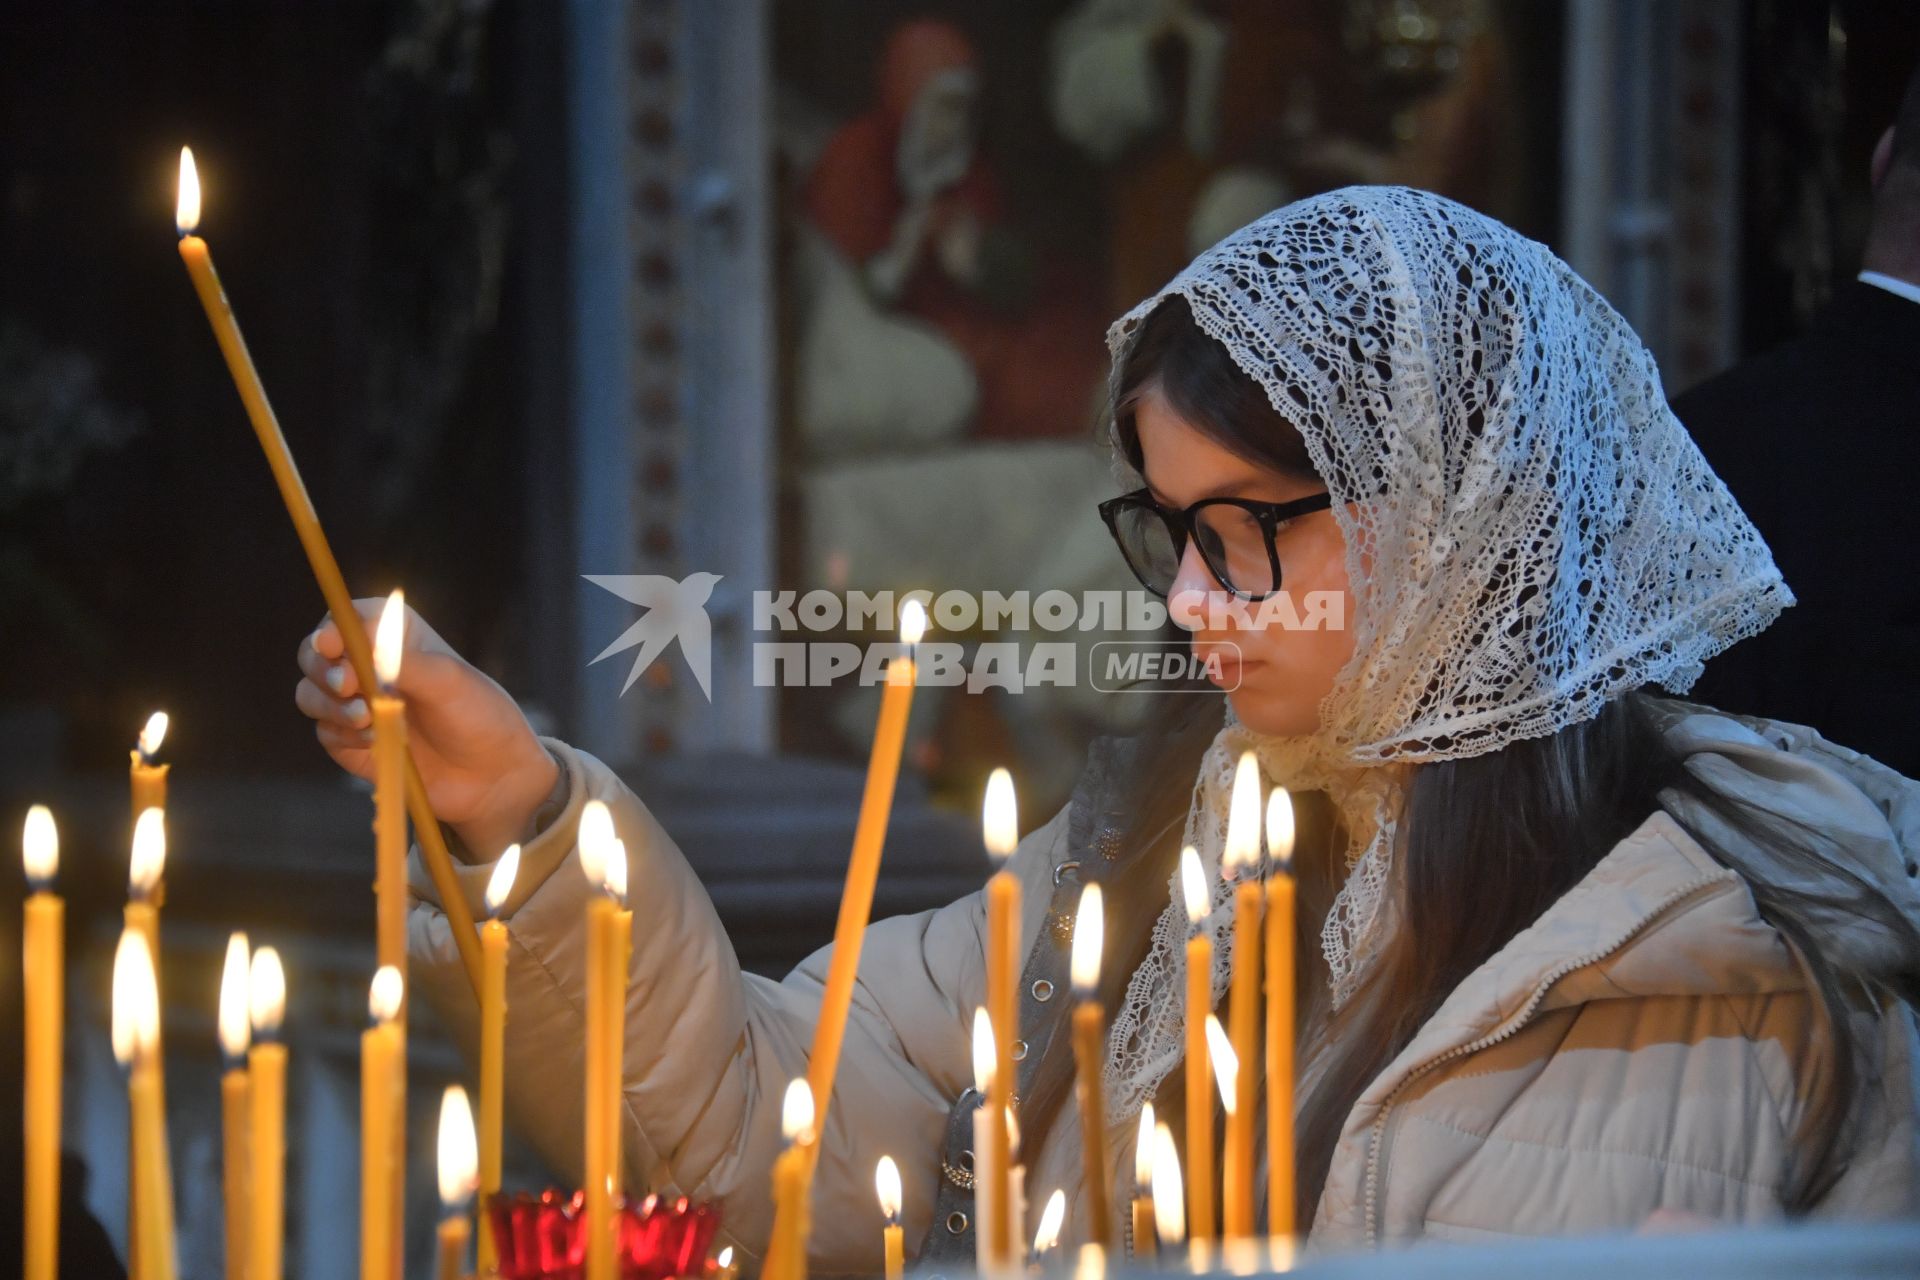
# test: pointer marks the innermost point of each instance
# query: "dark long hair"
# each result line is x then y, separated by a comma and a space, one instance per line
1488, 843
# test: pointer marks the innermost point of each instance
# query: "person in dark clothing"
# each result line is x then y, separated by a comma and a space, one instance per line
1819, 440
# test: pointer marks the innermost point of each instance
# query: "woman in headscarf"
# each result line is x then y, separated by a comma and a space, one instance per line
1576, 954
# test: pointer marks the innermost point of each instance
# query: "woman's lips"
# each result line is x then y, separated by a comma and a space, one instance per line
1224, 664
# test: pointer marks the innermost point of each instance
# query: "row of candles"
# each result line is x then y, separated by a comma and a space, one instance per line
252, 1007
1168, 1207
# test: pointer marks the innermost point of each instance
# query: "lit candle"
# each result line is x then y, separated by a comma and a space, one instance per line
267, 1067
236, 1035
886, 1181
458, 1173
44, 974
863, 866
382, 1102
1047, 1236
1145, 1236
1226, 1065
1000, 825
1089, 1059
1199, 1162
601, 1104
145, 876
390, 787
136, 1022
1169, 1211
1239, 861
313, 539
990, 1140
1280, 1015
787, 1249
723, 1267
619, 952
148, 779
493, 1044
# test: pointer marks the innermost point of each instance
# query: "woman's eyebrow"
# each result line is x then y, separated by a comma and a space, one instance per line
1241, 488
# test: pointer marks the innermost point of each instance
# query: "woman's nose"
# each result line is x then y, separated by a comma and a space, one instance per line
1193, 585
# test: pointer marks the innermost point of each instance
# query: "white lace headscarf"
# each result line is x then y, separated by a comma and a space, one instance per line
1545, 534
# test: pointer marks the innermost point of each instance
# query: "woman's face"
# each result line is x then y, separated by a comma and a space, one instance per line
1276, 675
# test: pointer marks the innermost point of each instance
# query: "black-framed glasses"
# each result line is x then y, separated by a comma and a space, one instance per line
1234, 535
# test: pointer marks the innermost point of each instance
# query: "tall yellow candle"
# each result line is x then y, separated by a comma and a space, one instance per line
1240, 860
389, 716
618, 954
145, 875
136, 1021
236, 1036
863, 866
1199, 1162
390, 787
459, 1171
1090, 1060
893, 1247
1000, 824
267, 1067
792, 1179
1280, 1016
600, 1103
493, 1045
313, 540
43, 971
382, 1070
1145, 1235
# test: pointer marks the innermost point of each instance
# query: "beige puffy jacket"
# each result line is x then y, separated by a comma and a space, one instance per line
1645, 1044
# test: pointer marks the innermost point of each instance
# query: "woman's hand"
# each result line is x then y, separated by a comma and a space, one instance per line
485, 770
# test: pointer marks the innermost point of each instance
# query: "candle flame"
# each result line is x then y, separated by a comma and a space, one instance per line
266, 992
390, 640
1169, 1196
385, 993
1143, 1152
596, 837
149, 853
1091, 1264
886, 1181
1226, 1063
1242, 851
152, 734
1280, 827
40, 846
796, 1112
617, 871
1193, 886
1052, 1218
186, 209
136, 999
459, 1148
983, 1055
999, 819
725, 1259
913, 622
235, 1031
500, 883
1089, 935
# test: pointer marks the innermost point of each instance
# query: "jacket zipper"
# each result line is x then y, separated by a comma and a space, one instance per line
1678, 897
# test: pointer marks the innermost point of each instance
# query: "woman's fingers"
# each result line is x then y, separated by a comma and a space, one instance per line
317, 704
335, 677
346, 747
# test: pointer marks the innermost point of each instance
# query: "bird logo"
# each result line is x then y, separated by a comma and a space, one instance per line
674, 610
